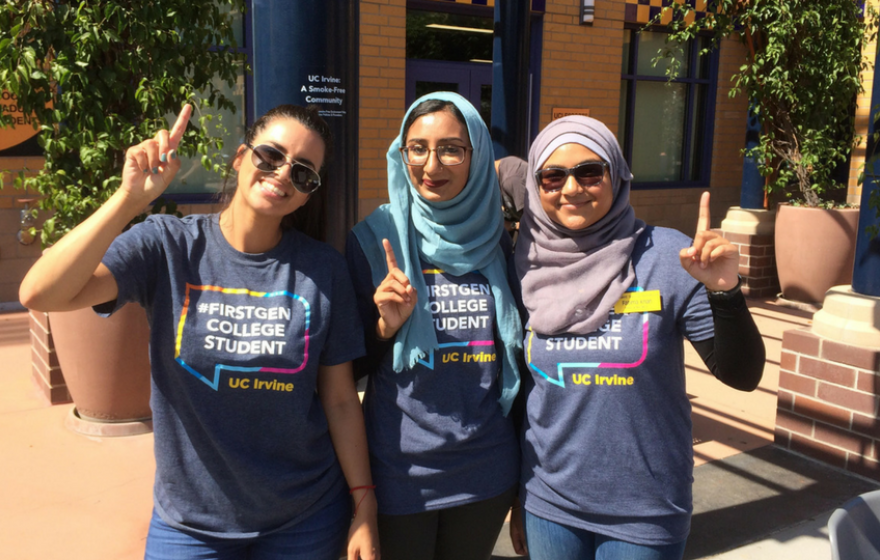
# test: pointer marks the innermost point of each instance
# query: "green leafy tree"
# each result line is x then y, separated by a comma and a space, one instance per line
802, 74
99, 76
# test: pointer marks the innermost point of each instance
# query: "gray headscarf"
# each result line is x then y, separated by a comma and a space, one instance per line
572, 278
512, 173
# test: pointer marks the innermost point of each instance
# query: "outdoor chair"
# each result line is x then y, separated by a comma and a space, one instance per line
854, 528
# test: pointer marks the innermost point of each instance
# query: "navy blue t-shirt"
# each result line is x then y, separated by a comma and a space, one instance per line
607, 443
436, 433
241, 440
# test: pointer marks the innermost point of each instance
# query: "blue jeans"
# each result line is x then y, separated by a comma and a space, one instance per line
321, 536
552, 541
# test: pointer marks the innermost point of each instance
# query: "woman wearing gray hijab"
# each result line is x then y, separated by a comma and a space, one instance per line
512, 173
606, 441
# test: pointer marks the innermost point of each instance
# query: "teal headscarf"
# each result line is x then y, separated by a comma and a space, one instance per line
458, 236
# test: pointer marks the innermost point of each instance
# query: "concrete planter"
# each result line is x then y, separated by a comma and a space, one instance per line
106, 365
815, 250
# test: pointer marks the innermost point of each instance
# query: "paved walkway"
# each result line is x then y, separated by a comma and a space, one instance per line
64, 495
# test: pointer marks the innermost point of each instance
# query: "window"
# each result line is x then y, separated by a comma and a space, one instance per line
666, 128
193, 182
450, 52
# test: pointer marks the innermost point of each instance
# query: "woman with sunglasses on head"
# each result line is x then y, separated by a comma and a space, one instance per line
442, 328
259, 438
607, 444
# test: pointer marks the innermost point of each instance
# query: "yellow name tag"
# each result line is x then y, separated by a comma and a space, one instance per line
638, 302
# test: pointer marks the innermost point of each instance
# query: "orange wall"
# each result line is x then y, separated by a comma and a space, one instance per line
580, 64
15, 258
382, 95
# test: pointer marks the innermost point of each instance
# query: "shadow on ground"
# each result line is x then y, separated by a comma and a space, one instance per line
753, 495
750, 497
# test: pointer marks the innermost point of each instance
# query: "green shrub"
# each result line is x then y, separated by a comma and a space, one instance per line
99, 76
802, 73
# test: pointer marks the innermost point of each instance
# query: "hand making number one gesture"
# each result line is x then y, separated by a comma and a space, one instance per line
151, 165
395, 297
712, 259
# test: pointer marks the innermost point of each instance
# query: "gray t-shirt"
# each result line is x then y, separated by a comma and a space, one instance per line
607, 443
241, 440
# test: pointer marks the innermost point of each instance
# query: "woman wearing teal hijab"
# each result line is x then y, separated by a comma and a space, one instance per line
443, 332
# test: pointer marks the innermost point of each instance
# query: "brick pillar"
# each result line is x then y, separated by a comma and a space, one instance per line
382, 95
46, 372
827, 405
752, 231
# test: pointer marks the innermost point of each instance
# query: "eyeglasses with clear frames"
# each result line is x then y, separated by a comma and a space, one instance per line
417, 155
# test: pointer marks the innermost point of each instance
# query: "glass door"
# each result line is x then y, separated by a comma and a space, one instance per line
448, 51
471, 80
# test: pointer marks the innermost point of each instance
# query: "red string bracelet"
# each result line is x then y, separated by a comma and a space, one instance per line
352, 490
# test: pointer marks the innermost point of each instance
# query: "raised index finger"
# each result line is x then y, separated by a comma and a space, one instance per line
390, 259
179, 126
704, 220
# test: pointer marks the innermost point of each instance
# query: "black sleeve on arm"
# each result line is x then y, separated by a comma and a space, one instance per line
736, 354
361, 278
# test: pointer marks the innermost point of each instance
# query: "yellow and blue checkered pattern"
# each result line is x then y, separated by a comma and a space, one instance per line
537, 5
643, 11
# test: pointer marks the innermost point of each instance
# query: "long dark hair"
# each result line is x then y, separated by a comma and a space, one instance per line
432, 106
309, 218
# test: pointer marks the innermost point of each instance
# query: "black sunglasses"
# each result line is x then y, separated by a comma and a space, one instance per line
587, 174
266, 158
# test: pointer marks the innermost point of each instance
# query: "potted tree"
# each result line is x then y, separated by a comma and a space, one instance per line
98, 77
802, 74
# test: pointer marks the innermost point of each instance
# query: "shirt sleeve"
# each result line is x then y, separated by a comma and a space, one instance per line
736, 354
135, 259
345, 339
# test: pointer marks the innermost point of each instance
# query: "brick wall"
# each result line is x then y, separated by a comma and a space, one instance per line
15, 258
757, 264
731, 117
46, 371
580, 64
382, 95
827, 402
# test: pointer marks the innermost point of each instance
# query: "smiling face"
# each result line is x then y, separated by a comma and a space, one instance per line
574, 206
271, 193
434, 181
